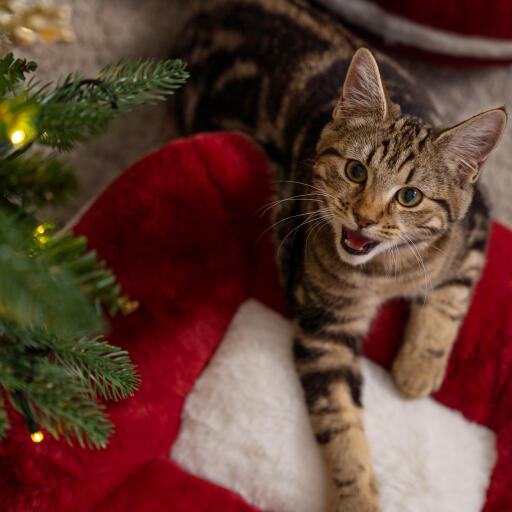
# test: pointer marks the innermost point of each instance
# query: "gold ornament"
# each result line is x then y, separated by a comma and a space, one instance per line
24, 22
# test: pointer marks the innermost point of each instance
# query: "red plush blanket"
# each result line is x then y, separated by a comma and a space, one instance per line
179, 229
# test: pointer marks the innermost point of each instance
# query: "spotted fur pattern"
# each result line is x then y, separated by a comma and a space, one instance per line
286, 74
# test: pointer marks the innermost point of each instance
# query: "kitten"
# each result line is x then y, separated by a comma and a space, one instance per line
375, 202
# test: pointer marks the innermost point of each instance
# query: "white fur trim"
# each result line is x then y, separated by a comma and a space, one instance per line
396, 29
245, 427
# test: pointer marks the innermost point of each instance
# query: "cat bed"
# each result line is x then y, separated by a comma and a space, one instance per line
219, 422
455, 31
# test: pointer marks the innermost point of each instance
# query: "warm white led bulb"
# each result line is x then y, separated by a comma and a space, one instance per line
17, 136
37, 437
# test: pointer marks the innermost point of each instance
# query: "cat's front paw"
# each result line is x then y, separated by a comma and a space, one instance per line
417, 373
356, 504
348, 498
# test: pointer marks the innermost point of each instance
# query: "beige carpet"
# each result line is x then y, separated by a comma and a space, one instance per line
109, 29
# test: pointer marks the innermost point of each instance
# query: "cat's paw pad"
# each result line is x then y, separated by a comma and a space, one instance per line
416, 376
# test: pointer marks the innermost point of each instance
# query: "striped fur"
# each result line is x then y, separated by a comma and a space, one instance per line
283, 72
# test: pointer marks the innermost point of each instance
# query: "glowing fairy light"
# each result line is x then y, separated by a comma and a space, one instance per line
37, 437
41, 233
17, 136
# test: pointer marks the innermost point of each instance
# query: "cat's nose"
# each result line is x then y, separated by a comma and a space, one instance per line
363, 222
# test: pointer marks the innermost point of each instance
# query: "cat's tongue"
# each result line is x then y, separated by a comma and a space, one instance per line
356, 239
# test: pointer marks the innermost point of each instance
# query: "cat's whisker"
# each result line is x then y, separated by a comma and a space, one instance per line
411, 249
276, 201
399, 260
312, 229
295, 229
316, 218
284, 220
324, 220
302, 197
392, 251
308, 185
439, 250
396, 259
393, 260
419, 259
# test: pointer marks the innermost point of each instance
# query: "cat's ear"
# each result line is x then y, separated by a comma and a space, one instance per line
470, 143
363, 95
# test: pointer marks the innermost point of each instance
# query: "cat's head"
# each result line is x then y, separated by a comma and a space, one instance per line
389, 178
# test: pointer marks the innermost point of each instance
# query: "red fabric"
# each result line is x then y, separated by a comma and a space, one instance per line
468, 17
471, 18
161, 486
179, 228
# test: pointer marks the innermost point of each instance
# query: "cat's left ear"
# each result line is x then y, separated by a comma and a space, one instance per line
471, 142
364, 97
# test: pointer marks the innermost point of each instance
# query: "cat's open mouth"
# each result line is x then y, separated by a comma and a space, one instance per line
354, 242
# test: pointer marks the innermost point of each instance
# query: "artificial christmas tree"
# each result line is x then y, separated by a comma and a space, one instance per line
55, 364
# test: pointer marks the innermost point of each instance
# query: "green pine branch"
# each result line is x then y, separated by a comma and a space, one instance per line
62, 125
34, 291
62, 405
4, 419
77, 109
69, 254
61, 381
37, 179
12, 72
54, 365
143, 81
106, 370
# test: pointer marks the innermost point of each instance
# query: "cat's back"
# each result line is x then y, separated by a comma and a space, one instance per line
271, 67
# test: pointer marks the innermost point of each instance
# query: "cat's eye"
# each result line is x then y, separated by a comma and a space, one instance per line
409, 196
356, 171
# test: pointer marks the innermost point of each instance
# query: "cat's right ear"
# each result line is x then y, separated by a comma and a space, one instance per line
470, 143
363, 95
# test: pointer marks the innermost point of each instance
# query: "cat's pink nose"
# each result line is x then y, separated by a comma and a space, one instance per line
362, 222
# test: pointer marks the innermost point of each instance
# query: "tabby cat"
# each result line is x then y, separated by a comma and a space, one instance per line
375, 201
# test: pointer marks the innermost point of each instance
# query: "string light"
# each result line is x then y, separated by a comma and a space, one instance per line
18, 136
18, 120
33, 429
40, 233
37, 437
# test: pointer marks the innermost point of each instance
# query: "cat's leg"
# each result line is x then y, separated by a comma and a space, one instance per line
329, 368
433, 326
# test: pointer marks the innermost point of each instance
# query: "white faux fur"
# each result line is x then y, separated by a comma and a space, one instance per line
245, 427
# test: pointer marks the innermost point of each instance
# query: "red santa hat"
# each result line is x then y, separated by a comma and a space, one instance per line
466, 32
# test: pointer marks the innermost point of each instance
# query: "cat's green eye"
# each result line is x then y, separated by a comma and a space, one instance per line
356, 171
409, 196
